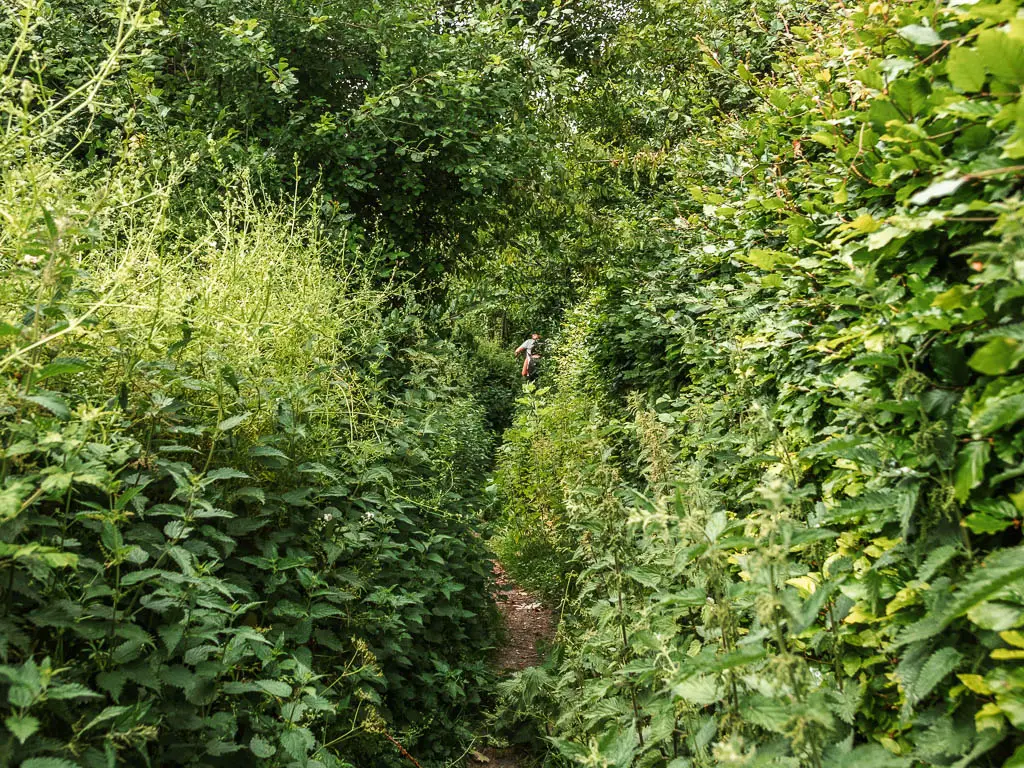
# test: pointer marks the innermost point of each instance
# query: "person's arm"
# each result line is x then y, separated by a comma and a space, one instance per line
519, 350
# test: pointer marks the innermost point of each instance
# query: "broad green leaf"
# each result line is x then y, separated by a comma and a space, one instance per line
58, 368
998, 412
298, 742
767, 259
996, 615
51, 402
936, 190
715, 525
976, 683
275, 688
230, 423
920, 35
225, 473
1013, 638
910, 95
261, 747
982, 523
965, 69
970, 468
997, 357
1003, 55
22, 726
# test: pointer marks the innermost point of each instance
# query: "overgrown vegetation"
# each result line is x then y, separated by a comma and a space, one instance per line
240, 466
780, 446
263, 268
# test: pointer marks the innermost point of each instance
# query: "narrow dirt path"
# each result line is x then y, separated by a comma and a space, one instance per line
527, 622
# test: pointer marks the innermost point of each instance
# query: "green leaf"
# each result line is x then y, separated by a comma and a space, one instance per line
261, 747
936, 190
22, 726
997, 357
225, 473
71, 691
996, 413
715, 525
48, 762
51, 402
767, 259
970, 468
920, 35
228, 424
939, 666
1002, 55
1016, 759
936, 559
268, 452
298, 742
910, 95
996, 616
275, 688
965, 69
871, 756
982, 523
58, 368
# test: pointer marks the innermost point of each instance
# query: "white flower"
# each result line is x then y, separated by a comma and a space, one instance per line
328, 517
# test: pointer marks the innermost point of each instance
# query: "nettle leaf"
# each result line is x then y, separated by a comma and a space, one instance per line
276, 688
52, 402
230, 423
59, 368
71, 691
225, 473
48, 762
22, 726
268, 452
261, 747
939, 666
872, 756
298, 742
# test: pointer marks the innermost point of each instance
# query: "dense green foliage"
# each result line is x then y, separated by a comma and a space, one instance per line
223, 532
240, 466
779, 444
262, 266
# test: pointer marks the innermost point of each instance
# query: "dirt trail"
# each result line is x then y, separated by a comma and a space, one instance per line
527, 622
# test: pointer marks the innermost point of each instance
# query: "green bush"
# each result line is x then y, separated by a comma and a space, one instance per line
233, 515
796, 527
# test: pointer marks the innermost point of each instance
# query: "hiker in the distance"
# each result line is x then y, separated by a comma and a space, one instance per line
530, 347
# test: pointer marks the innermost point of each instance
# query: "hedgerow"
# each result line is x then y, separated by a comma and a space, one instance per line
791, 494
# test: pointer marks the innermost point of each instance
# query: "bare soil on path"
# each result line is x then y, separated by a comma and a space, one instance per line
527, 622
